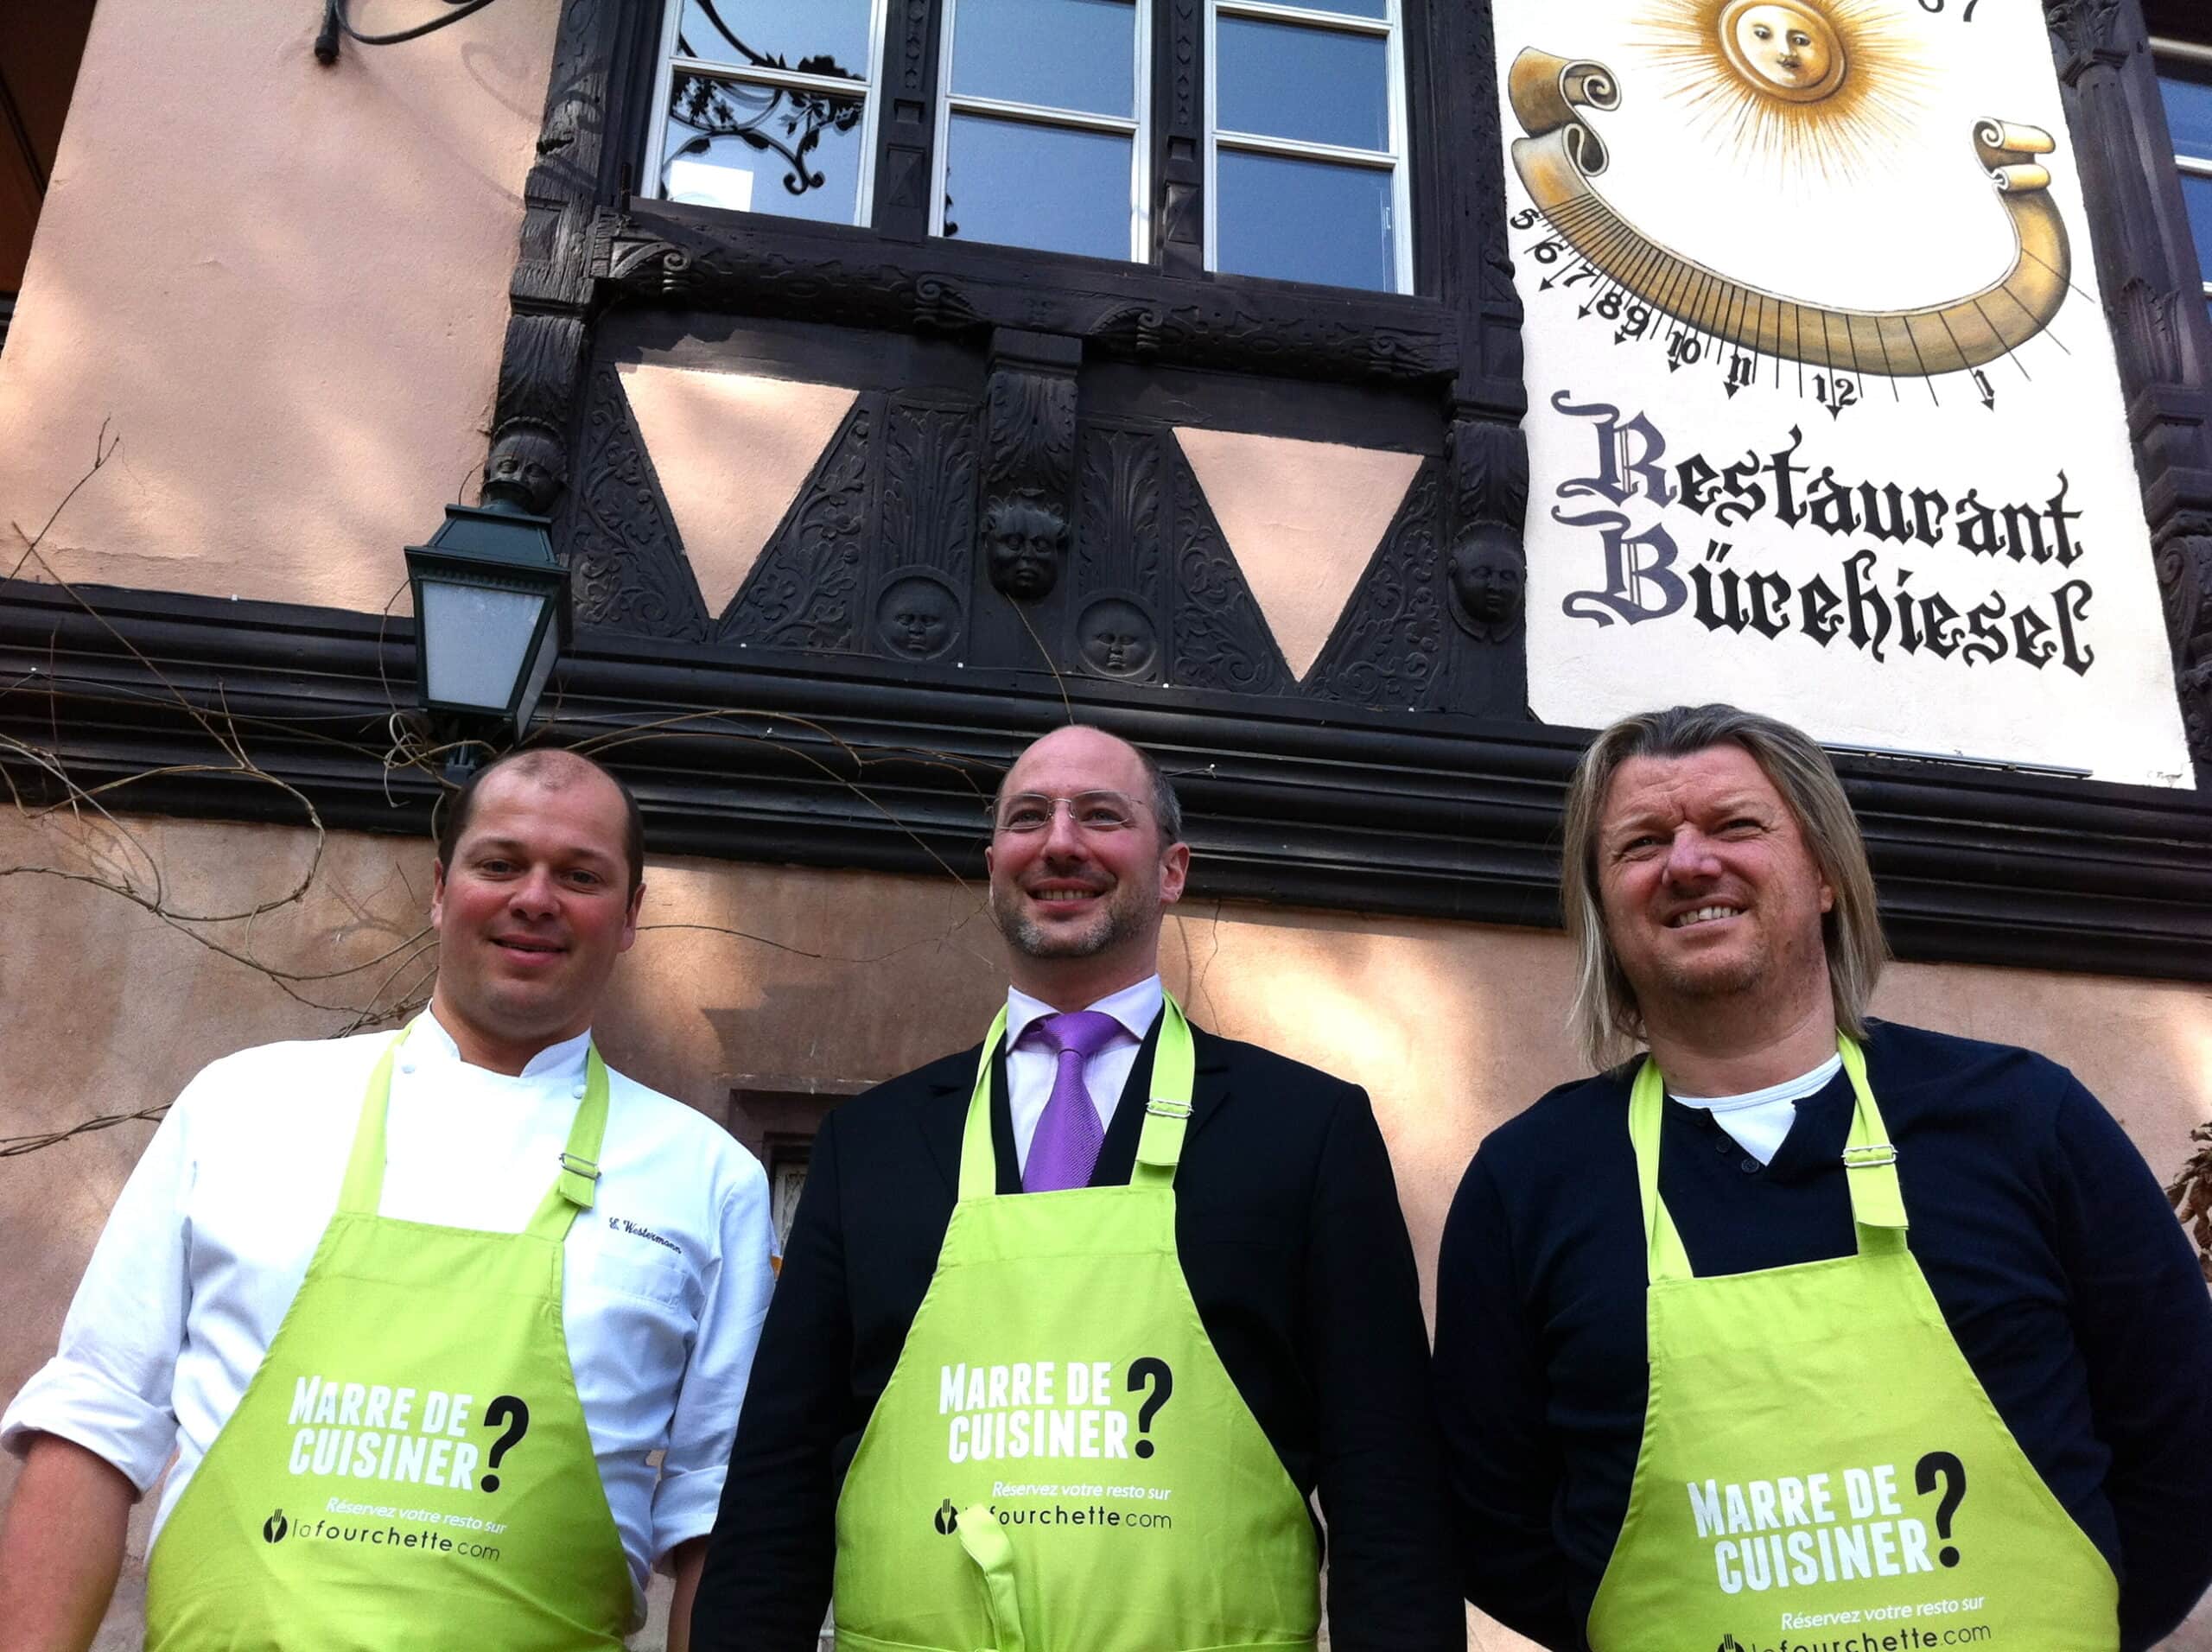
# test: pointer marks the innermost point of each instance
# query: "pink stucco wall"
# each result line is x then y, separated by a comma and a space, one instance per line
283, 287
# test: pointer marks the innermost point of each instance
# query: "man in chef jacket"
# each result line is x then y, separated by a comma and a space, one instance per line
329, 1292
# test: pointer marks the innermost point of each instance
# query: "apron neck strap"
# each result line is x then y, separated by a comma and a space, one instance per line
573, 1189
1877, 1203
1166, 1114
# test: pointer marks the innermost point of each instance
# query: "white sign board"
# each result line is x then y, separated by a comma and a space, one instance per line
1824, 418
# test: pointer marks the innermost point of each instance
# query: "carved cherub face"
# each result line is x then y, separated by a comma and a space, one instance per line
1025, 542
1117, 638
1488, 574
1787, 46
524, 469
917, 618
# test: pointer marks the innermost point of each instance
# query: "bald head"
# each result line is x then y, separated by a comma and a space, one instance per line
553, 769
1085, 745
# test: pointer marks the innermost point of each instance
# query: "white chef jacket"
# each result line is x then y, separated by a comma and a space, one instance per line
1031, 1069
665, 1279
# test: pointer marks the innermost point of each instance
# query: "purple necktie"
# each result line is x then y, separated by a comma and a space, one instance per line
1066, 1146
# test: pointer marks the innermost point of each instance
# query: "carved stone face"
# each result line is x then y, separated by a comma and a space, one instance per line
523, 470
1117, 638
1785, 47
1488, 574
1025, 542
918, 617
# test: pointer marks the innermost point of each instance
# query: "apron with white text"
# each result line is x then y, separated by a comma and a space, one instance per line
1820, 1470
409, 1466
1060, 1463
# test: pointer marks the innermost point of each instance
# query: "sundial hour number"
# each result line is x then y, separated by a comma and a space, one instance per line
1548, 252
1635, 320
1935, 7
1525, 218
1684, 349
1741, 367
1834, 393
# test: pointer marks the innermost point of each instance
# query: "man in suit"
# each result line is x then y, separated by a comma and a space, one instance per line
1275, 1203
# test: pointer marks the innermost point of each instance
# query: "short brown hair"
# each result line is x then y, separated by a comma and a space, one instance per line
1607, 1021
542, 763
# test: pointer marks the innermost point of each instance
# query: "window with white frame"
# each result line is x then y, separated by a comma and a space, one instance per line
1042, 131
1044, 122
2185, 82
767, 107
1307, 143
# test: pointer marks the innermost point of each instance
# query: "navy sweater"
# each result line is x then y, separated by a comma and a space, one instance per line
2049, 1246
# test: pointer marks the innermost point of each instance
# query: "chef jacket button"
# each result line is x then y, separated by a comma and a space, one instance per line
1749, 1167
578, 1092
407, 1067
1724, 1147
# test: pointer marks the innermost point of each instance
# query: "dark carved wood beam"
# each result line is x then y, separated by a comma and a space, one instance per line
796, 759
2154, 302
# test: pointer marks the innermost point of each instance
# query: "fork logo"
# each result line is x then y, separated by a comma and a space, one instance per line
948, 1518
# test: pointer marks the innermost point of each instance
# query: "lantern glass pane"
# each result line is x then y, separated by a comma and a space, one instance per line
476, 642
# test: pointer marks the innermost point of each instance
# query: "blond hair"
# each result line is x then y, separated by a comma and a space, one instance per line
1608, 1022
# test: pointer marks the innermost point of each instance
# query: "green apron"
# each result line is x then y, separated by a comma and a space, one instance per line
410, 1465
1059, 1461
1819, 1468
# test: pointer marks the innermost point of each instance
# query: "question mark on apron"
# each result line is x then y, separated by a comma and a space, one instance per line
1154, 1373
500, 1410
1954, 1474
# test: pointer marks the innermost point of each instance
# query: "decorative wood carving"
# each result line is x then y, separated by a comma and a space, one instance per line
656, 255
628, 572
1029, 410
1222, 641
925, 530
1121, 591
542, 370
806, 590
1388, 649
2147, 266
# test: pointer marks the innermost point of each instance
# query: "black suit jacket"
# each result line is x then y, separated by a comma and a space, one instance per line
1290, 1235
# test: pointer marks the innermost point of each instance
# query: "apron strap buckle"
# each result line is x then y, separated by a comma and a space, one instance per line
579, 1179
1870, 1156
1166, 1109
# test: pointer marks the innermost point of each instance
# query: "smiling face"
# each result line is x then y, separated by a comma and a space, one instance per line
1789, 48
531, 913
1709, 891
1081, 908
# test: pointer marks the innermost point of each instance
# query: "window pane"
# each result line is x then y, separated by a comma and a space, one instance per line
821, 36
1304, 220
2189, 112
1062, 53
1278, 80
762, 149
1024, 185
2196, 194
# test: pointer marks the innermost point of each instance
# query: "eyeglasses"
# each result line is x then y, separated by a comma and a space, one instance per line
1091, 811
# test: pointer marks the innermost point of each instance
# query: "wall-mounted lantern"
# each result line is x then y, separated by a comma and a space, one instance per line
491, 617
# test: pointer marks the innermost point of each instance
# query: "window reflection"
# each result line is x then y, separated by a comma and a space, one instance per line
1310, 84
1055, 188
820, 37
1304, 221
762, 149
1049, 53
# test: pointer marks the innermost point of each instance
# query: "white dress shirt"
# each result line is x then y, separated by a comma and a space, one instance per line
1031, 1069
1758, 1119
665, 1284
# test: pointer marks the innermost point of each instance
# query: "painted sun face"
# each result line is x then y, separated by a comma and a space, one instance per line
1789, 49
1830, 86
